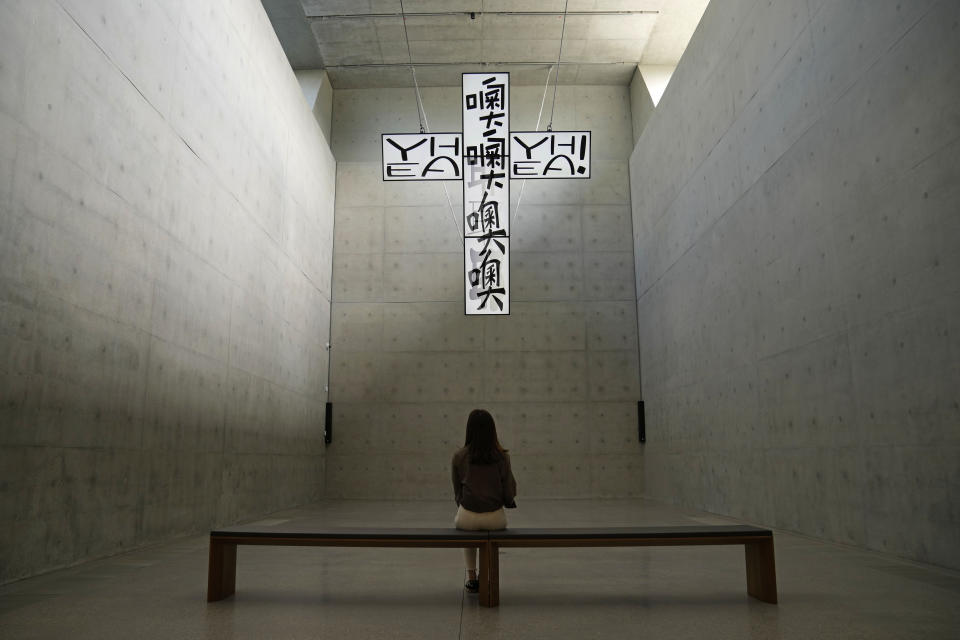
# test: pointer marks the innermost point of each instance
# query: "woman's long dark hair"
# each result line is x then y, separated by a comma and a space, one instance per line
482, 442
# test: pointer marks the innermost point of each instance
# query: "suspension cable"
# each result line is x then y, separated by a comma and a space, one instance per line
422, 117
412, 69
546, 85
556, 81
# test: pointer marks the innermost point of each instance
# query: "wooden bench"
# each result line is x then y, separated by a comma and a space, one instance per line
758, 543
222, 569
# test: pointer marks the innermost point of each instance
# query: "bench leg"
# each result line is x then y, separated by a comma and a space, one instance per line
761, 571
494, 572
484, 574
222, 570
489, 575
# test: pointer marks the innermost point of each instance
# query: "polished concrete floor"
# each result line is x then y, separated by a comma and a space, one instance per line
826, 590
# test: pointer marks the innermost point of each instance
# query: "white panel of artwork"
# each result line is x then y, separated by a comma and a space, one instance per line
486, 193
486, 197
421, 156
486, 263
549, 154
486, 114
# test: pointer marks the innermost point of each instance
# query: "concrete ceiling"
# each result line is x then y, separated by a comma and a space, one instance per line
361, 43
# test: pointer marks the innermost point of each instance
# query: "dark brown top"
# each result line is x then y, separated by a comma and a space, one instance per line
482, 487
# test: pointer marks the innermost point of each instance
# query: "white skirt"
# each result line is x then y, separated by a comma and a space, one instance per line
487, 521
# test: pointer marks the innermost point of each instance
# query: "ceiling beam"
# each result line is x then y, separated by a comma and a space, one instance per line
474, 14
525, 63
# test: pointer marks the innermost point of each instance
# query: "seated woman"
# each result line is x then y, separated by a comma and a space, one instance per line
483, 484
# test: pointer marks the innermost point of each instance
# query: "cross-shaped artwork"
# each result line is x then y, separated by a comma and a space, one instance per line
485, 157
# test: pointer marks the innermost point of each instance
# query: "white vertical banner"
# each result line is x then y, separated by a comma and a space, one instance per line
486, 193
486, 197
486, 262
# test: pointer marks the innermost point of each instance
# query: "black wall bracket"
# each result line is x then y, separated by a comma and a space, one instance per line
328, 423
641, 423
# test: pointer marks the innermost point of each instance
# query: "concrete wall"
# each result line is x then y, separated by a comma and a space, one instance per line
318, 92
641, 104
166, 207
560, 374
795, 200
